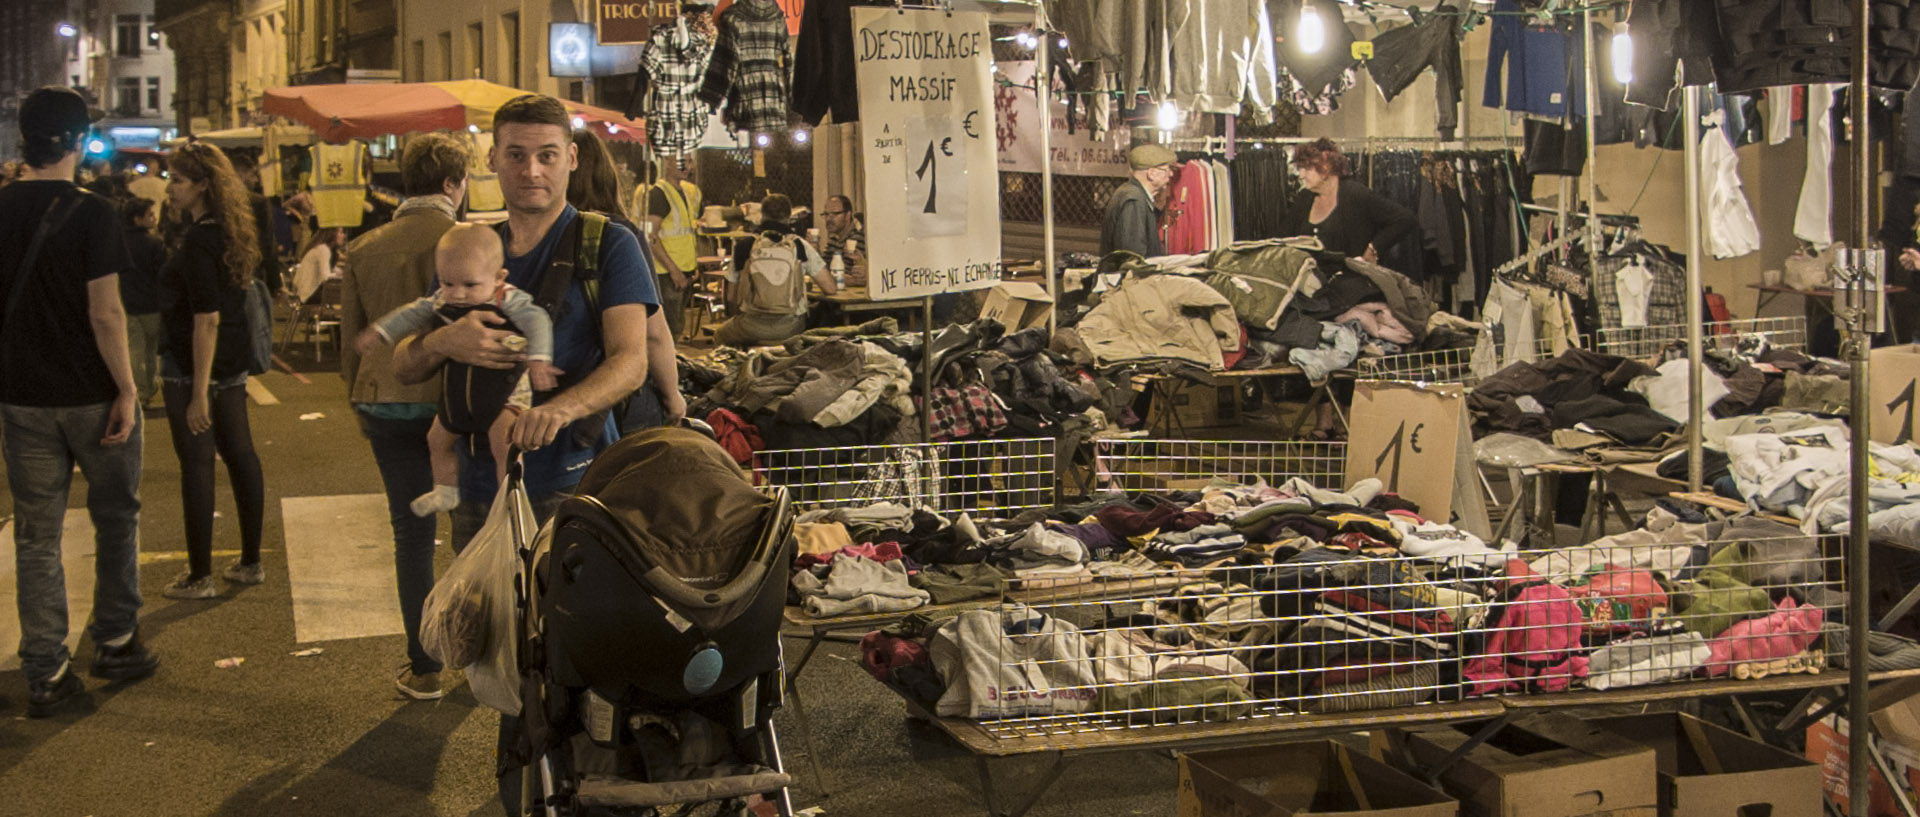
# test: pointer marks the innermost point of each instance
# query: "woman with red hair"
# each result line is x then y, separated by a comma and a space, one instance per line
1347, 217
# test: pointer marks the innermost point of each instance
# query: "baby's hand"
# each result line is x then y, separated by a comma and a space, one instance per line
368, 341
544, 376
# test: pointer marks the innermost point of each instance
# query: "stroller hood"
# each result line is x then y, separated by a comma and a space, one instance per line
682, 503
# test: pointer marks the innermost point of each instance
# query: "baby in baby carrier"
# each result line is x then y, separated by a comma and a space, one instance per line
471, 265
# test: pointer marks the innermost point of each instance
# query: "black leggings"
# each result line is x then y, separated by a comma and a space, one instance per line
234, 440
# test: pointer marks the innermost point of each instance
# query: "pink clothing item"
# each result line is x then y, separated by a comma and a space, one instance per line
882, 552
1189, 213
1533, 638
1786, 632
1378, 321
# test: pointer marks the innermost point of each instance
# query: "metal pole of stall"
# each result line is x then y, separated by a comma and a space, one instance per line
1695, 387
926, 369
1591, 184
1041, 87
1858, 342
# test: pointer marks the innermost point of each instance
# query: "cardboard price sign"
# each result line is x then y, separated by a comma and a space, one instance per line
1895, 370
1416, 441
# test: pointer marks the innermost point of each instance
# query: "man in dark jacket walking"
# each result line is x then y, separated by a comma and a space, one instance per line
1133, 214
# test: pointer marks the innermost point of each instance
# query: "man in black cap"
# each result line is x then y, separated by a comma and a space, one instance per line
1133, 215
68, 398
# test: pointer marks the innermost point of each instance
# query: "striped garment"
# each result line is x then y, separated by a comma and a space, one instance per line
675, 62
749, 68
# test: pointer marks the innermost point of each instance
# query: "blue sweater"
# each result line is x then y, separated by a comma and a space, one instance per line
1539, 60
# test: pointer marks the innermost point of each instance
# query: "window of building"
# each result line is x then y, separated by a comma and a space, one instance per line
510, 48
446, 55
153, 33
126, 96
476, 52
416, 61
128, 38
153, 93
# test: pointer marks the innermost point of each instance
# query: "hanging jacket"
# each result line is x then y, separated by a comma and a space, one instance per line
749, 66
1161, 316
1792, 42
1401, 55
1536, 58
823, 78
1222, 53
1669, 36
1189, 214
675, 62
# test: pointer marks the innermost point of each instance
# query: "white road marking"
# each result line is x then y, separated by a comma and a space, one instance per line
340, 567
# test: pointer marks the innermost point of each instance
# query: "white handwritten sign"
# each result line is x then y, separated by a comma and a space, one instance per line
933, 190
1074, 151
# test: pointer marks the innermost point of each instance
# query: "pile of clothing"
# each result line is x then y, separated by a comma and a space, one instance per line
1800, 466
1244, 597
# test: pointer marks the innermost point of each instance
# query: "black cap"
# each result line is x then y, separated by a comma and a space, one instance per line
55, 111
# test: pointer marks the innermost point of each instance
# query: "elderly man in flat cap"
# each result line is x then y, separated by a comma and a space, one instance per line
1133, 216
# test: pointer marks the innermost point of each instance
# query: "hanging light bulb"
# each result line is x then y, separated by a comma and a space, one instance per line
1169, 116
762, 140
579, 123
1622, 56
800, 137
1312, 33
1063, 42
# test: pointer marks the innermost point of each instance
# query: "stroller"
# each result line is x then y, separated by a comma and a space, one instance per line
650, 660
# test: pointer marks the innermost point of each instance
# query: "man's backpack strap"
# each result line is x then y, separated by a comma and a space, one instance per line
586, 258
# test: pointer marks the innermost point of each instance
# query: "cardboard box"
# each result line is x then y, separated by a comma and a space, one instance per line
1546, 765
1196, 406
1892, 393
1710, 771
1895, 712
1316, 777
1017, 305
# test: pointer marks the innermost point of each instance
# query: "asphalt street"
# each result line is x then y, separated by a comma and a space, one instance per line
326, 734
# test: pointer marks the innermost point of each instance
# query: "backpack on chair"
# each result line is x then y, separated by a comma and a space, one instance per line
775, 281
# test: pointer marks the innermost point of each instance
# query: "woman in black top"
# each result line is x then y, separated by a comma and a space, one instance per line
1347, 217
204, 364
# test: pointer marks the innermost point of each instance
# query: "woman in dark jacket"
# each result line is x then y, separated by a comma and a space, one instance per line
204, 363
1348, 218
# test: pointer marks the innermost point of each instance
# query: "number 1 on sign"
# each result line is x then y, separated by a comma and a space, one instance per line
1393, 448
1906, 426
936, 174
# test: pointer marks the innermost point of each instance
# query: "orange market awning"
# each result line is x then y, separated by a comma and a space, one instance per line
340, 112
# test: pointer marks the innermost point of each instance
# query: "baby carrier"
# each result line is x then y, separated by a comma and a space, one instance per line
654, 647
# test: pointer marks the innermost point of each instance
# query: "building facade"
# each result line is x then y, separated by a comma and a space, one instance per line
35, 54
129, 70
503, 41
343, 40
259, 55
200, 34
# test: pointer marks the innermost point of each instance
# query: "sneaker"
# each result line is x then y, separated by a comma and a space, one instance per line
243, 573
128, 662
441, 499
43, 697
187, 587
422, 687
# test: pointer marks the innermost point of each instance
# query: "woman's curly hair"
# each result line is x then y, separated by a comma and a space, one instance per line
227, 203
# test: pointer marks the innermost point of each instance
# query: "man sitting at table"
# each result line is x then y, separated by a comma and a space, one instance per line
842, 233
770, 287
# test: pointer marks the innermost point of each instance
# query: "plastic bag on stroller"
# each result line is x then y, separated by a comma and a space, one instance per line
656, 601
469, 621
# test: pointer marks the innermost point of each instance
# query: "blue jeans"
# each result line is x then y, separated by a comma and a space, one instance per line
406, 468
42, 447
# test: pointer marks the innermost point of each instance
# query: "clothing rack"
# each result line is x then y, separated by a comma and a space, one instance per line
1219, 144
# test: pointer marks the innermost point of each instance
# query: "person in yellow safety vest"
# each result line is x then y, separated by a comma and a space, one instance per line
672, 210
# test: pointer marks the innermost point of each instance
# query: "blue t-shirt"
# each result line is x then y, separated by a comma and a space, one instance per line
626, 277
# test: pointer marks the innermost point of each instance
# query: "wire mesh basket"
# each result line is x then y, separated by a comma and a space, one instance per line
1443, 366
1332, 629
987, 477
1789, 333
1135, 465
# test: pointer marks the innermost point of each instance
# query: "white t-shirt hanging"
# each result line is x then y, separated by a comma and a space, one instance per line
1631, 285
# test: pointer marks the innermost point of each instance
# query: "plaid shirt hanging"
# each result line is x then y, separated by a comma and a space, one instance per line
749, 67
676, 62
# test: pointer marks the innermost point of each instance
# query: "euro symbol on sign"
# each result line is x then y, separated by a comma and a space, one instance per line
946, 146
967, 125
1413, 440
